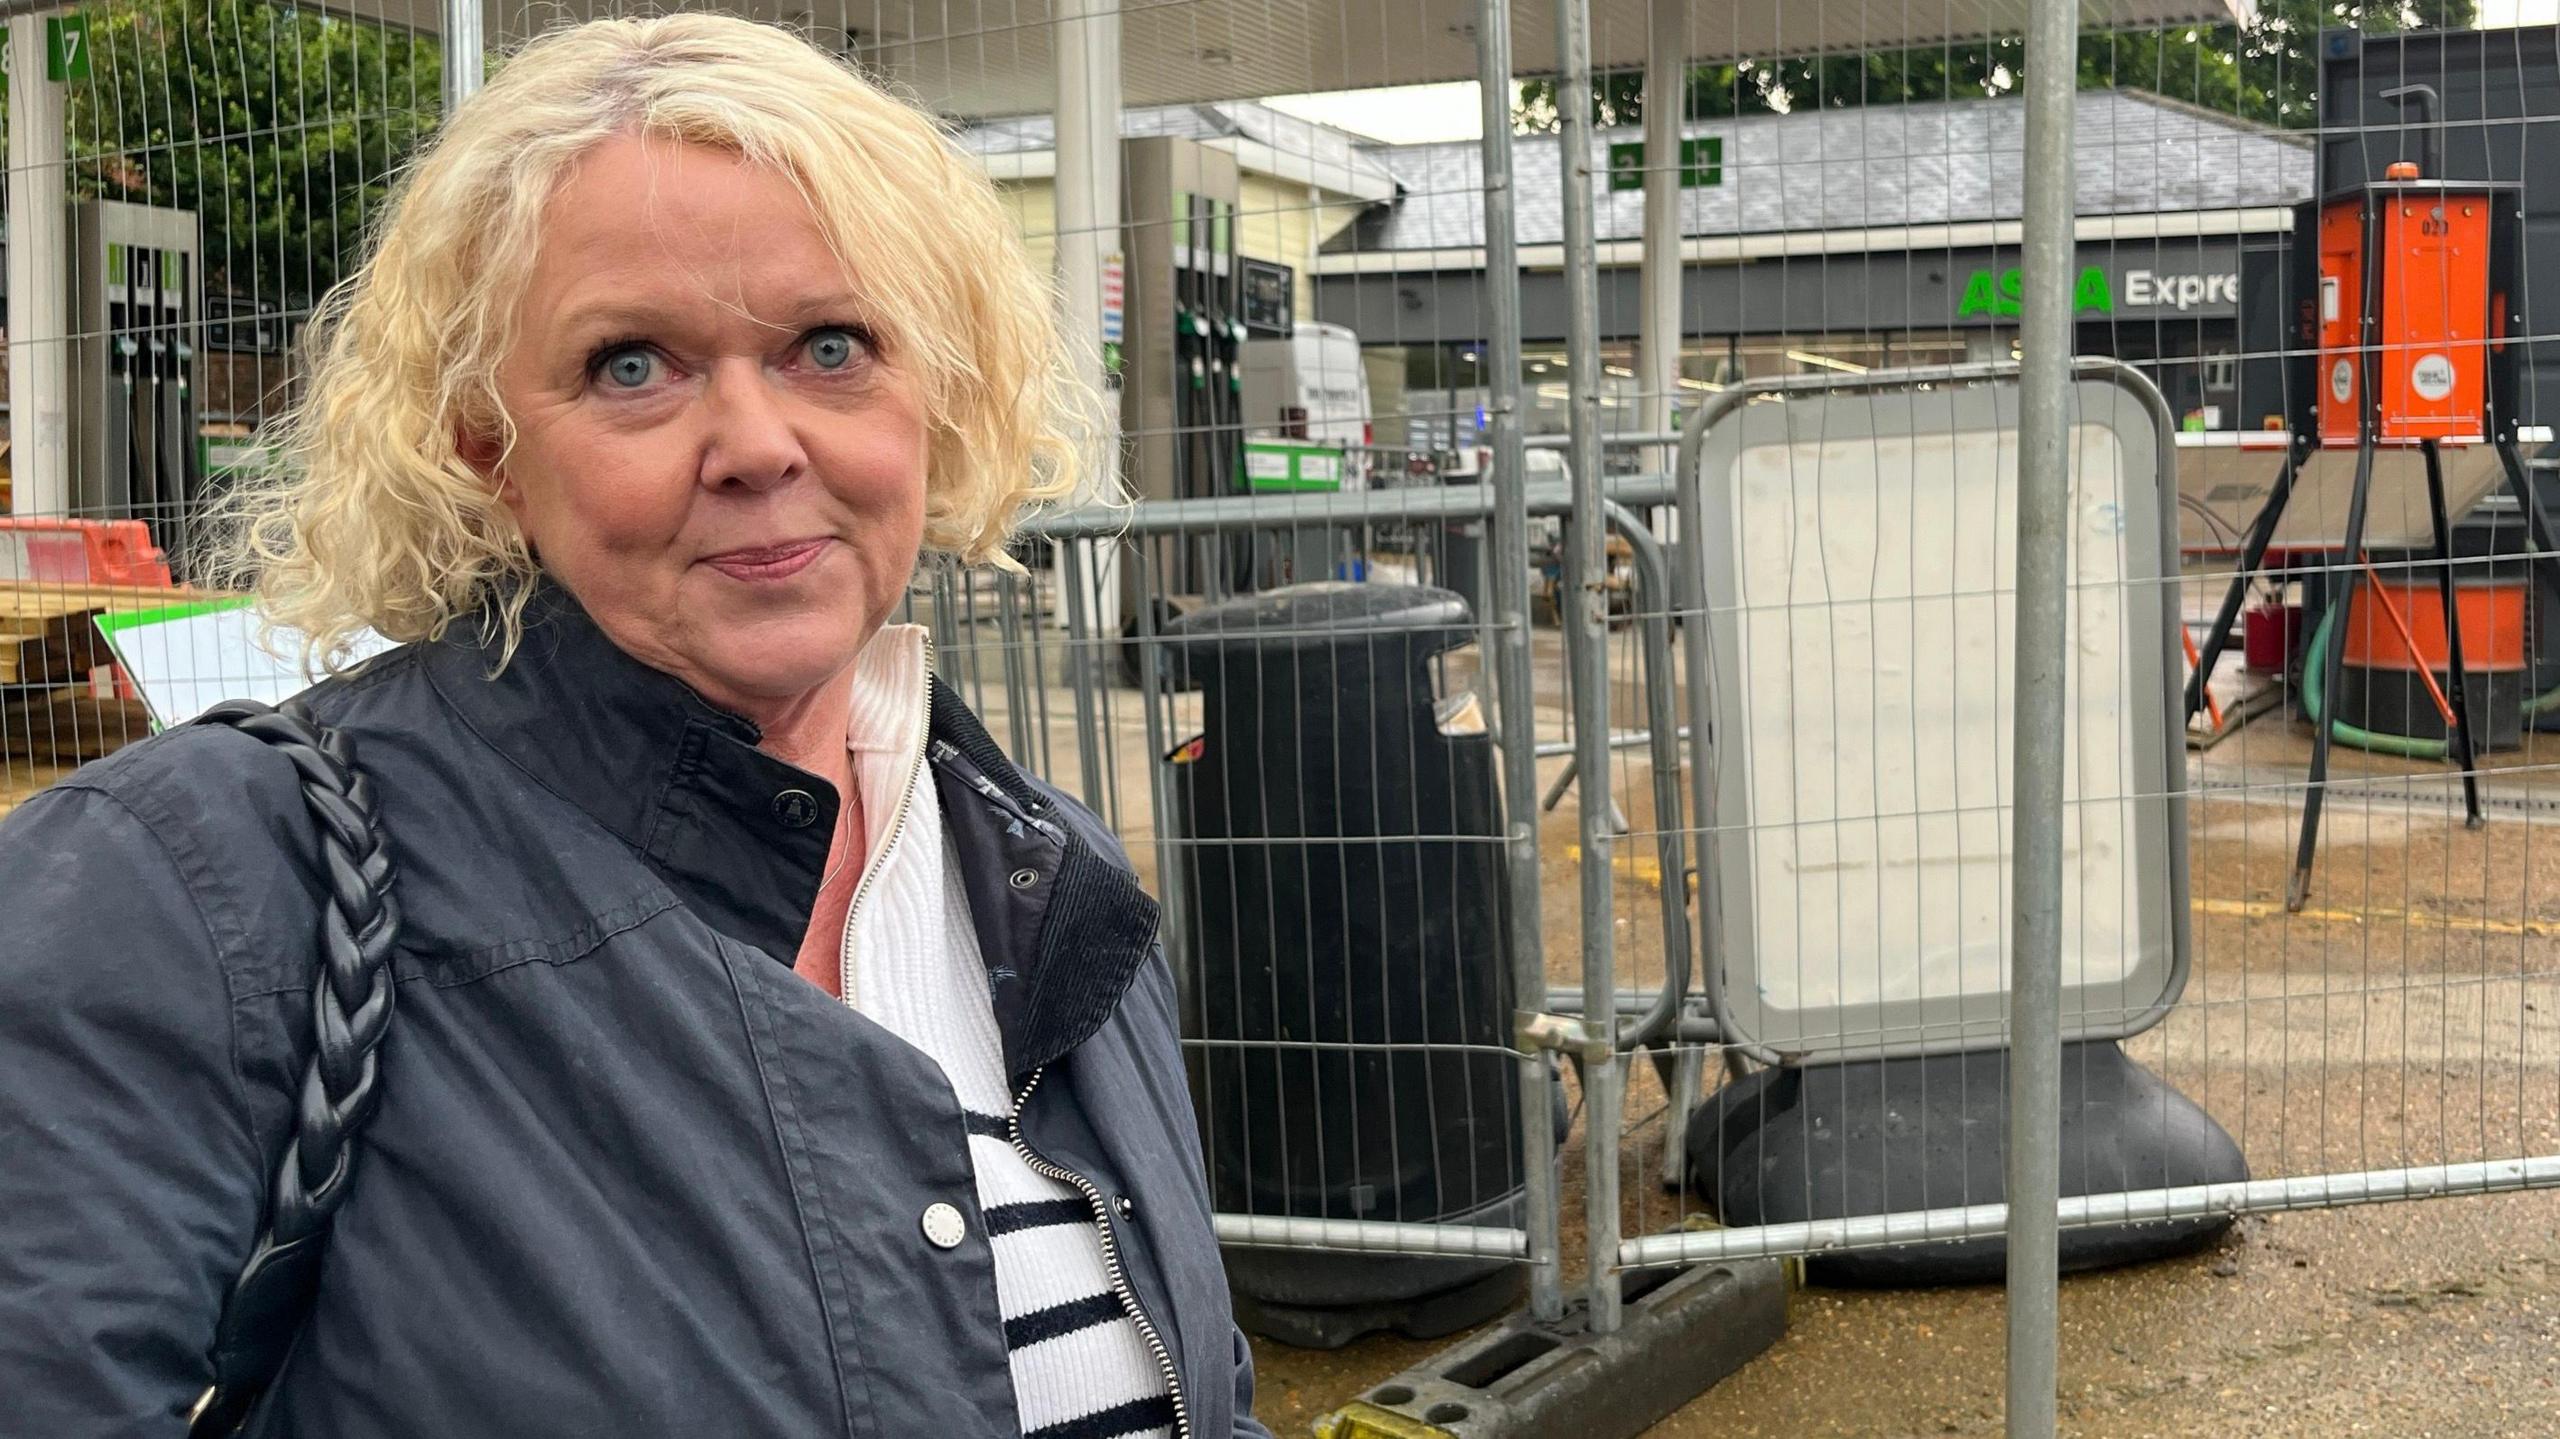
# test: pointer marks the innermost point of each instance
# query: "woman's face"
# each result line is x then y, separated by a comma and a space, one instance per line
711, 453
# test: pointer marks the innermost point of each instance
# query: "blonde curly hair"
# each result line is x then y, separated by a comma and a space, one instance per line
374, 518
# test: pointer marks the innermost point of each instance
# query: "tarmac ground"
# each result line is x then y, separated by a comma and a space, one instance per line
2408, 1015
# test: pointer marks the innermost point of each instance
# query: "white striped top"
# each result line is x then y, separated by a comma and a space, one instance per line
1081, 1369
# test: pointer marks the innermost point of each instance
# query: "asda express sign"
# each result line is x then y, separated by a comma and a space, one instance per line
2146, 291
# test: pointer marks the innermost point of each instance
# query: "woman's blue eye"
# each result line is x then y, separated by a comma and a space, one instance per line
629, 369
832, 349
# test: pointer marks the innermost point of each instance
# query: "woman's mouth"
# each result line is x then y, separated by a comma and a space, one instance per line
767, 562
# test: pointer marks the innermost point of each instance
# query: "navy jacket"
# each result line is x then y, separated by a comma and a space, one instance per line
631, 1175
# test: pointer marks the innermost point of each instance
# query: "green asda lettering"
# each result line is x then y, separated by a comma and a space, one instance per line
1988, 293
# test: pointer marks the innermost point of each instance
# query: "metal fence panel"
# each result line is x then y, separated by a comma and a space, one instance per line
1534, 316
2385, 1039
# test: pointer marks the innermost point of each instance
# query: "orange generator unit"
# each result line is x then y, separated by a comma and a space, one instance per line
2410, 309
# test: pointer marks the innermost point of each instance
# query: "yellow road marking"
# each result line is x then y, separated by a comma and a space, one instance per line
2407, 918
1644, 867
1648, 870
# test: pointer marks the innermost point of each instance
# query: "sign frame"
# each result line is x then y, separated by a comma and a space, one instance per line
1773, 1015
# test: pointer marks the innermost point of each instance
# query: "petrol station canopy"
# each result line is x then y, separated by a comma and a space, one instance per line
980, 58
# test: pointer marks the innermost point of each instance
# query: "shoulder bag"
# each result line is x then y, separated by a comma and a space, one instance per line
351, 1003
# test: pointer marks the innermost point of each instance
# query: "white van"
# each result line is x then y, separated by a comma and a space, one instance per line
1312, 386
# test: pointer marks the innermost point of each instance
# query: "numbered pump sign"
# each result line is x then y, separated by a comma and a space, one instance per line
66, 47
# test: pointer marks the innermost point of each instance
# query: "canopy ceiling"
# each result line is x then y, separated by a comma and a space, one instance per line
976, 58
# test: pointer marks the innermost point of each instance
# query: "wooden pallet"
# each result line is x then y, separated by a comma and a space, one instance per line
2240, 694
48, 630
21, 781
58, 700
68, 724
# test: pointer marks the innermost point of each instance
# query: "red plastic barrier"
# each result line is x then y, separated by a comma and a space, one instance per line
87, 552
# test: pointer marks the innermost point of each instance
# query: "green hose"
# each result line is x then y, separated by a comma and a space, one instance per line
2315, 672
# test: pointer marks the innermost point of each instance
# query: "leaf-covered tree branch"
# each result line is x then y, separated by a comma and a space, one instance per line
2268, 72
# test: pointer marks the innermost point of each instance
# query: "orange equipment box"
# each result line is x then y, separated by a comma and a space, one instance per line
2408, 310
2433, 317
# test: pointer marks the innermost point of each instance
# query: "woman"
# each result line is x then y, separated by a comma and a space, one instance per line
772, 1057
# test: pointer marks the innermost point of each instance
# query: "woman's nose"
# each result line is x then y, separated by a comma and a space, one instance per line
751, 443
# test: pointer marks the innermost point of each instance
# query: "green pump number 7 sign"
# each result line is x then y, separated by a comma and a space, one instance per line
66, 47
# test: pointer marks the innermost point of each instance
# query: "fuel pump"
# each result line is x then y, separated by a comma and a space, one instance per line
137, 307
1178, 405
2404, 288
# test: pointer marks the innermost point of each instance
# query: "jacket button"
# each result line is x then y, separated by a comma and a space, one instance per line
1025, 878
944, 1227
796, 808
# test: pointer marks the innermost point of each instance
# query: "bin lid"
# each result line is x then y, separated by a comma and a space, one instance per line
1369, 626
1298, 614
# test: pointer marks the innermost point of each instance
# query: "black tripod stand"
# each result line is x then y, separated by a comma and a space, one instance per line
2353, 570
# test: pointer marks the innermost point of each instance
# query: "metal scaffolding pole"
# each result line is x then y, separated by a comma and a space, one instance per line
1088, 185
1516, 701
1087, 193
463, 46
39, 291
1658, 337
2043, 598
1586, 620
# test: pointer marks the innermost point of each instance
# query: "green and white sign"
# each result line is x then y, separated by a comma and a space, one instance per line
2095, 292
1701, 163
66, 47
1291, 465
228, 455
187, 657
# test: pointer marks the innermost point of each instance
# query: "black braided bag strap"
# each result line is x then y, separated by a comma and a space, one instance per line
351, 1004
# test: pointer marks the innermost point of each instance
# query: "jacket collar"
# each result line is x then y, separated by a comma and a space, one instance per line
741, 837
1096, 928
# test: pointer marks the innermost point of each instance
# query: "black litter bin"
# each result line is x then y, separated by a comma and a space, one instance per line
1342, 891
1460, 555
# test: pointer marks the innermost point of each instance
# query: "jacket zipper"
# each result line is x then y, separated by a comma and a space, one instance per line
1093, 1196
1111, 1265
873, 864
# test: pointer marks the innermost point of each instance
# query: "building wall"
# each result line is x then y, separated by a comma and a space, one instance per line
1034, 207
1843, 314
1277, 220
1282, 222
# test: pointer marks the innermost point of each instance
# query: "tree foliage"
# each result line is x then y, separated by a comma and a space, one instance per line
281, 128
2268, 72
